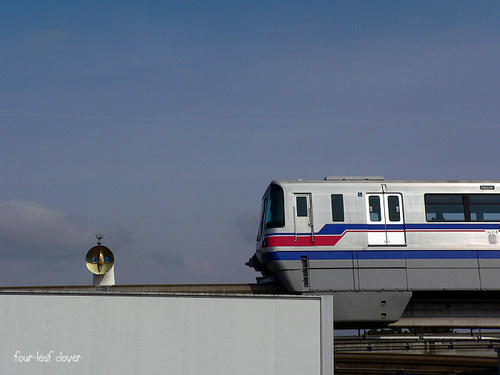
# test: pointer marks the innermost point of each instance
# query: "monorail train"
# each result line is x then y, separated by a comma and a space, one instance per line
354, 234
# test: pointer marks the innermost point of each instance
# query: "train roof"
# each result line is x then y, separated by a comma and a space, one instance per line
381, 180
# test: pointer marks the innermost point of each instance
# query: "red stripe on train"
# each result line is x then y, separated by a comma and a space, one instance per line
303, 241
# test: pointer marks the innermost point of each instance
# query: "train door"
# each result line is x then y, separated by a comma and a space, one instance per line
395, 226
303, 222
375, 211
385, 210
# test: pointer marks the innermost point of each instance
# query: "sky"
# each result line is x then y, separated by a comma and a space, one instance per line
160, 124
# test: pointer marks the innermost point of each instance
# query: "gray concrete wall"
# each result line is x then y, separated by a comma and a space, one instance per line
106, 334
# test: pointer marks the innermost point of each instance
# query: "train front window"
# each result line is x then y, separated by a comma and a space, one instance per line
262, 213
275, 210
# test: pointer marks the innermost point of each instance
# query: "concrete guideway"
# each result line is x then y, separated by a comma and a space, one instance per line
154, 288
425, 309
404, 364
453, 309
451, 344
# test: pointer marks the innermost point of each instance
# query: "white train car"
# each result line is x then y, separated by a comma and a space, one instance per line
355, 234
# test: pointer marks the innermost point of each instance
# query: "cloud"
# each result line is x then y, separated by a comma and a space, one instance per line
167, 260
247, 225
29, 229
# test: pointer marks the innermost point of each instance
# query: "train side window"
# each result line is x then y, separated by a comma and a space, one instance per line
484, 207
374, 203
302, 207
394, 209
337, 207
262, 217
444, 207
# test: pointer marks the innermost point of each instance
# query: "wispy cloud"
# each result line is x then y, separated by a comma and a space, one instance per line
247, 224
33, 230
167, 259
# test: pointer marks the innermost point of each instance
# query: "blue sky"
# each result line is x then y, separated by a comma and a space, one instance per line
161, 123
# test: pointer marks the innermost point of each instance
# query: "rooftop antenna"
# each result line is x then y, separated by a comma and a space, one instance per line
100, 261
99, 237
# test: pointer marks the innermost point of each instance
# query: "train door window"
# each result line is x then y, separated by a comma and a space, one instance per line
394, 208
302, 210
444, 207
337, 207
374, 208
484, 207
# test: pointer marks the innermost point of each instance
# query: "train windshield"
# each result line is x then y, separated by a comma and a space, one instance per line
272, 213
275, 212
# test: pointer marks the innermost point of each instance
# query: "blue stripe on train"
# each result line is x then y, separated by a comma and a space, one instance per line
337, 229
341, 228
382, 254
